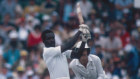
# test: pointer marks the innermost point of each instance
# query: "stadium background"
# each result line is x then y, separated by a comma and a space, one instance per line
114, 26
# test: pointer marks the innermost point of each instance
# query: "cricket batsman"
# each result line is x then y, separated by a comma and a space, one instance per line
85, 66
56, 57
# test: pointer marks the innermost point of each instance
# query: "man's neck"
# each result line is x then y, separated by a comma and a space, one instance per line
84, 63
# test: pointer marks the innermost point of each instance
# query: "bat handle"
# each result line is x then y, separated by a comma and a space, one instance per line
80, 18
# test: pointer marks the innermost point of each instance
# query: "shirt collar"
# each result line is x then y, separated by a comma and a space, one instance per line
90, 59
79, 64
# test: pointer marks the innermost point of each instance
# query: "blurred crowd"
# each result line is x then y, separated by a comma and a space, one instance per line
114, 26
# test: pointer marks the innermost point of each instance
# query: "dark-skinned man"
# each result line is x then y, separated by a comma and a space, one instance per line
56, 57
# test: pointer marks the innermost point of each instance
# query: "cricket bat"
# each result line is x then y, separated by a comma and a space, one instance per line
79, 13
80, 18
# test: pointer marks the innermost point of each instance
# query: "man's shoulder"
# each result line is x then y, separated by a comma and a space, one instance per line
94, 56
51, 48
73, 63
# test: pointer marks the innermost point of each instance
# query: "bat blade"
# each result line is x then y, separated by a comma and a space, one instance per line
79, 13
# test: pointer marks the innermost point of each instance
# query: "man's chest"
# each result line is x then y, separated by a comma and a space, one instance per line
89, 72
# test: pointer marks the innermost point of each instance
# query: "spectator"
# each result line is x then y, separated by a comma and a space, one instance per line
48, 7
18, 8
91, 19
22, 62
67, 10
103, 30
86, 7
132, 60
31, 74
112, 43
32, 8
6, 24
55, 18
60, 9
123, 6
99, 52
34, 37
46, 22
22, 33
57, 29
20, 73
8, 7
41, 66
13, 53
98, 39
72, 22
91, 44
117, 70
5, 73
123, 35
31, 22
101, 9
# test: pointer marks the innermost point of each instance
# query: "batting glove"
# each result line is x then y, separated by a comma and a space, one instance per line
86, 36
82, 28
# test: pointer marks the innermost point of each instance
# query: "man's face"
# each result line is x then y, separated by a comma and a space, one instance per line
98, 50
96, 35
32, 2
49, 40
112, 35
4, 70
84, 57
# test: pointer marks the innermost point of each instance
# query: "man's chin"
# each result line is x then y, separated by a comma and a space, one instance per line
52, 45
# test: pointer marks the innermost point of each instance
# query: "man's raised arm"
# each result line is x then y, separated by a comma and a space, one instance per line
69, 44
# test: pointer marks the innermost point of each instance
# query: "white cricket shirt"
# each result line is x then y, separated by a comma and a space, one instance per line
93, 70
57, 62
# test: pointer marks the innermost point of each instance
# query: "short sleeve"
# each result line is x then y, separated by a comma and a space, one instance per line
51, 52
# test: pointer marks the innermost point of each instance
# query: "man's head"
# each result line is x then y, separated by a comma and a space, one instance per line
32, 2
96, 32
112, 33
83, 54
37, 28
48, 38
98, 49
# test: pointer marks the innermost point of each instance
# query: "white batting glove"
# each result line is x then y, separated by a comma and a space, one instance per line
82, 28
86, 36
85, 32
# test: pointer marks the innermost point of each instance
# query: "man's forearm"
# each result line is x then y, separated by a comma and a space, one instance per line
70, 42
77, 53
81, 47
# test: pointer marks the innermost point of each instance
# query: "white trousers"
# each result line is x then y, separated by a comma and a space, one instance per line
63, 78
